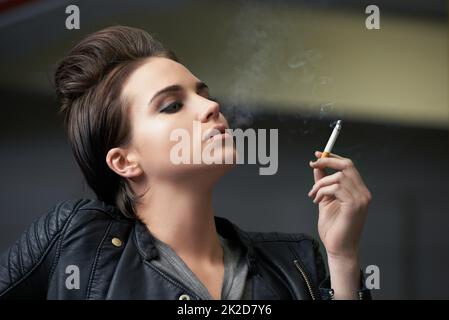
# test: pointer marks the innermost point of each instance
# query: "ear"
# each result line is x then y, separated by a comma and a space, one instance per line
123, 163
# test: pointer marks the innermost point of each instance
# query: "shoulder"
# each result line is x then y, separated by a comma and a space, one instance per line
27, 263
85, 209
73, 213
59, 221
67, 214
82, 211
83, 223
297, 244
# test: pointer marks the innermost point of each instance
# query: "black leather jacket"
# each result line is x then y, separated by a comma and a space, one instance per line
112, 255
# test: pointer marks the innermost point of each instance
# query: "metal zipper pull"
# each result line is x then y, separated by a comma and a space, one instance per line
305, 277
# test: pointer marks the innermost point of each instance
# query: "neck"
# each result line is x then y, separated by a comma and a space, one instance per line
181, 215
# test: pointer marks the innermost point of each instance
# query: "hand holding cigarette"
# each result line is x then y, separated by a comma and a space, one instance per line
343, 201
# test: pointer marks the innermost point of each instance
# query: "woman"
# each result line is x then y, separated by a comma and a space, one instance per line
152, 233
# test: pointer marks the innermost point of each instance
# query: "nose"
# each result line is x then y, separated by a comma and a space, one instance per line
210, 112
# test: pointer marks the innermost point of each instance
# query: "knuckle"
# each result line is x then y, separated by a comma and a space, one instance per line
339, 175
364, 201
369, 197
348, 163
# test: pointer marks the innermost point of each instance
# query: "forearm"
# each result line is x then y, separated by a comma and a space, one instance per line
345, 277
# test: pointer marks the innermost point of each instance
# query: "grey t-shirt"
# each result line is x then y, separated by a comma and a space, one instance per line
236, 285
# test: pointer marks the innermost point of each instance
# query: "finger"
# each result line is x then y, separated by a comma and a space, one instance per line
334, 190
353, 172
333, 163
357, 191
326, 181
331, 155
318, 174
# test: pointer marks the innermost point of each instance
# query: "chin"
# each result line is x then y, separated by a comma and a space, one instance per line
219, 166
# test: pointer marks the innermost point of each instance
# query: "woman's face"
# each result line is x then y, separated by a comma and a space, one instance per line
164, 96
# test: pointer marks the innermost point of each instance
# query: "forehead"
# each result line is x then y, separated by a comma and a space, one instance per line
155, 74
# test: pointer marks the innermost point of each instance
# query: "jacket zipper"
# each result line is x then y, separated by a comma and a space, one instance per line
305, 277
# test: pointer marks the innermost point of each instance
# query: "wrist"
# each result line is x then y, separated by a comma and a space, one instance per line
344, 274
343, 259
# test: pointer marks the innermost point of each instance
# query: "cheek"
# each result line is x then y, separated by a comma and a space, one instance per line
153, 138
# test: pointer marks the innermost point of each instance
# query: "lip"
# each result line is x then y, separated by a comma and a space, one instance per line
220, 136
211, 133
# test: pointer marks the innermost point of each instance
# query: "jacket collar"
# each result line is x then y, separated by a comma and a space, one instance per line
144, 239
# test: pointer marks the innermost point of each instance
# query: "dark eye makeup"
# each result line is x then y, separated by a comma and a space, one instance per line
177, 105
172, 107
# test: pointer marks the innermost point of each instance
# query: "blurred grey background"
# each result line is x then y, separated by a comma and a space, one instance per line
292, 65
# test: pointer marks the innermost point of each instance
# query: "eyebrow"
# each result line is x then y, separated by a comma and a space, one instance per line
176, 87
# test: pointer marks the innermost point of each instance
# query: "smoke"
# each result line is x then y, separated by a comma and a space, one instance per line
308, 67
262, 53
254, 43
333, 123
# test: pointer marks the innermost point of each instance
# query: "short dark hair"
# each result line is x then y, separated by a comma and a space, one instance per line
89, 83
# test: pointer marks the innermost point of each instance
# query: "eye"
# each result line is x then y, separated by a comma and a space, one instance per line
172, 107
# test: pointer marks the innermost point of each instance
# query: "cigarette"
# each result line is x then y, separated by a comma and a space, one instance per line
332, 139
